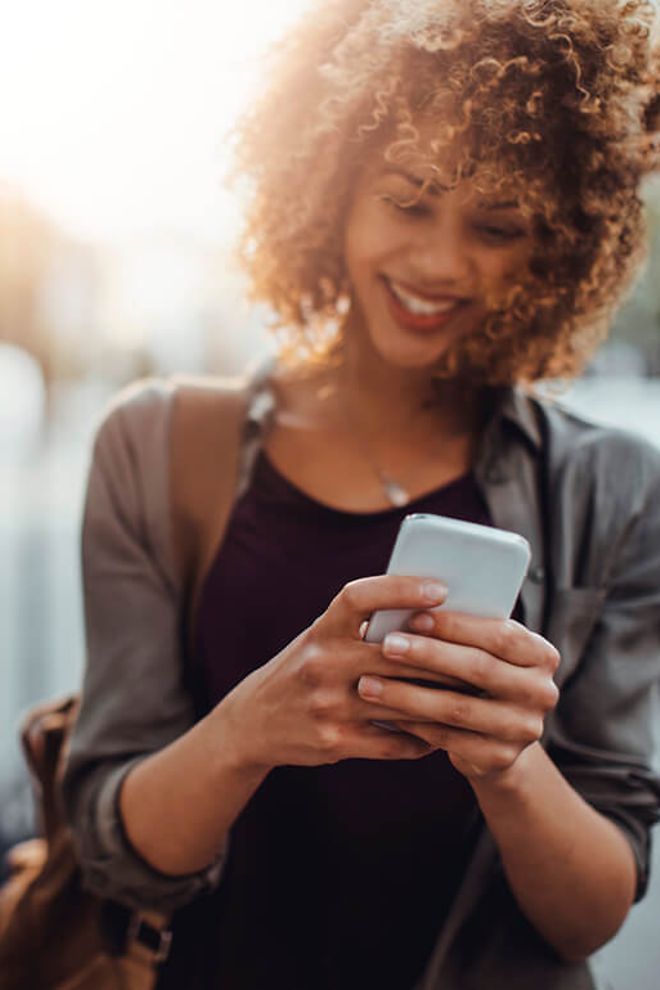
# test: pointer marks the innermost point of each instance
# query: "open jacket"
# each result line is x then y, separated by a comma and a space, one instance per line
587, 499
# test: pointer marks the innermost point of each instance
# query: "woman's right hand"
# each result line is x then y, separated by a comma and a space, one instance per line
302, 707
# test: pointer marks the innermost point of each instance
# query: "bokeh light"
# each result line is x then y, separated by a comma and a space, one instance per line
112, 115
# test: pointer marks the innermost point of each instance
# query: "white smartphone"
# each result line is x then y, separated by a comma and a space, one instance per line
482, 567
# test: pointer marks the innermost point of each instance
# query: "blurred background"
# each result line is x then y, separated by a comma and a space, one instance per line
115, 242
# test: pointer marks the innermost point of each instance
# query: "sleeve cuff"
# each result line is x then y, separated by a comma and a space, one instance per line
117, 870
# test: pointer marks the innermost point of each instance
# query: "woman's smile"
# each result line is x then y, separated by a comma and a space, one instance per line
417, 312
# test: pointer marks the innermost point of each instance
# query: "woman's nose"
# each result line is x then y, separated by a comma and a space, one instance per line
442, 257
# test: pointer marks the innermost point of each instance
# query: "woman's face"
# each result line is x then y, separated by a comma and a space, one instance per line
423, 270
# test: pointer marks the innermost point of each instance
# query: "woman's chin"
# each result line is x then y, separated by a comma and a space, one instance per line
407, 355
382, 339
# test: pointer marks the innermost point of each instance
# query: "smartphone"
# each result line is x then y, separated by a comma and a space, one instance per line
482, 567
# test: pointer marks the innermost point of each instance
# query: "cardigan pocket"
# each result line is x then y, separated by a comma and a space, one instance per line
573, 616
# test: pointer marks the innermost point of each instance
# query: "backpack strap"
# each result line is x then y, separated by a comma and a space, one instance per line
208, 417
44, 732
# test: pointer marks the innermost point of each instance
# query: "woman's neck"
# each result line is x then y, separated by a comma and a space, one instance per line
337, 431
403, 403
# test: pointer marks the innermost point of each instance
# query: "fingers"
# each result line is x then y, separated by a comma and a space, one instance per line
500, 720
324, 671
365, 712
363, 740
331, 696
384, 667
357, 600
369, 742
489, 674
506, 639
472, 754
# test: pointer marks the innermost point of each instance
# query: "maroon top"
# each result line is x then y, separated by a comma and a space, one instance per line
339, 876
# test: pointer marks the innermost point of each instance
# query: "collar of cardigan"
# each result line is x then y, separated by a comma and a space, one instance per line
513, 404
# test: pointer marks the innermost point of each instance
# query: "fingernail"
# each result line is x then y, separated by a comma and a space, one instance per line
422, 622
370, 687
394, 643
434, 591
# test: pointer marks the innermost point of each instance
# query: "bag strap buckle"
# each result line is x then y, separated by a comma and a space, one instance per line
158, 941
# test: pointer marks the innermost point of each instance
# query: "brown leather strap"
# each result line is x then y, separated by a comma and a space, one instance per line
148, 939
44, 733
208, 416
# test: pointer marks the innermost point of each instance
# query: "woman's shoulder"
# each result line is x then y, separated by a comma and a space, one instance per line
579, 443
130, 437
602, 480
140, 412
127, 486
135, 410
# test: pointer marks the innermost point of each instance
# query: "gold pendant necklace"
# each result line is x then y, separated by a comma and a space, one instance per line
394, 492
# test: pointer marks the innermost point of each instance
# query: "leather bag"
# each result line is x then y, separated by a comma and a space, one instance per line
55, 935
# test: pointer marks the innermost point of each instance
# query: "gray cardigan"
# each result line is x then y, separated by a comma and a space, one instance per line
588, 501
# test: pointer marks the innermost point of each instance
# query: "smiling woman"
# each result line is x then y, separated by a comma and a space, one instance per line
423, 259
522, 114
443, 207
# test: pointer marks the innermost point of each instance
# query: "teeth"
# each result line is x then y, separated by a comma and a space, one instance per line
421, 307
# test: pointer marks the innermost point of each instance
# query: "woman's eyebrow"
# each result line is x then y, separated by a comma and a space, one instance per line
429, 185
433, 187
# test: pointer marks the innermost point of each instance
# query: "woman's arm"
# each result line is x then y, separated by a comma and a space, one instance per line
178, 805
570, 868
133, 701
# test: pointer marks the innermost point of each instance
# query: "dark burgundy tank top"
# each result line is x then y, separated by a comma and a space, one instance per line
338, 877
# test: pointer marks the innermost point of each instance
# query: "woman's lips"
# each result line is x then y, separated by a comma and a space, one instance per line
425, 322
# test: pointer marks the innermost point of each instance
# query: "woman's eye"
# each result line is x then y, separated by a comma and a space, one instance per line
503, 234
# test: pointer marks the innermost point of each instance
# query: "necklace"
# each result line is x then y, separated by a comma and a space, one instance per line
394, 492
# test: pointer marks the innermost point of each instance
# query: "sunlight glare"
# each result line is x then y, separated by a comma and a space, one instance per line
111, 115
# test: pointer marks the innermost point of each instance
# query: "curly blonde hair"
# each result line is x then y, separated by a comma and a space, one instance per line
557, 98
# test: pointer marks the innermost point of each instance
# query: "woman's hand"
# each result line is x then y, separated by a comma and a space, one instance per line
570, 868
302, 708
511, 668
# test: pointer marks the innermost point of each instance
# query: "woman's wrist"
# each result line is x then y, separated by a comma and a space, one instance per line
511, 784
229, 746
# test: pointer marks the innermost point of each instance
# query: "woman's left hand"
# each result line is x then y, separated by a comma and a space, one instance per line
511, 668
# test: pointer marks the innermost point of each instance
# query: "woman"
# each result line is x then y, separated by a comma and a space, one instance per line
444, 210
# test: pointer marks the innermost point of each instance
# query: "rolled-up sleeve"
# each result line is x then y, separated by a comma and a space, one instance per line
602, 733
133, 701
